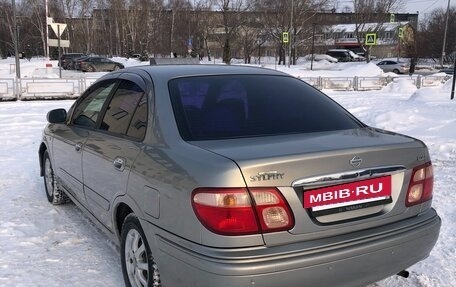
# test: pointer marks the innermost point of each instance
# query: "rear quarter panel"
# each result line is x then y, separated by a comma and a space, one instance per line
168, 169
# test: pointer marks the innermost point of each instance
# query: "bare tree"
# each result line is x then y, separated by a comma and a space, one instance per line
431, 34
249, 38
231, 12
295, 17
204, 23
275, 19
304, 16
7, 25
367, 12
35, 11
80, 24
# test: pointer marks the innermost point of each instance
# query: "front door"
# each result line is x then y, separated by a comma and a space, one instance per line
70, 138
67, 153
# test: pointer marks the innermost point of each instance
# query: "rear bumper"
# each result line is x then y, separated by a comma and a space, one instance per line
364, 259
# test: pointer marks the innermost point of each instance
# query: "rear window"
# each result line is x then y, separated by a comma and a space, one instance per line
233, 106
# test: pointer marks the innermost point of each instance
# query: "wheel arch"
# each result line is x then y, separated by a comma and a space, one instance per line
124, 206
122, 211
41, 151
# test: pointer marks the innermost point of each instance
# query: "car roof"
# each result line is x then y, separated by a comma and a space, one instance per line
167, 72
394, 61
72, 54
95, 57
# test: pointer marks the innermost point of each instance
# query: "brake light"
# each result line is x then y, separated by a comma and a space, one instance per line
236, 211
421, 185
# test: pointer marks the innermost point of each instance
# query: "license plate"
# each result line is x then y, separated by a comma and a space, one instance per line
349, 196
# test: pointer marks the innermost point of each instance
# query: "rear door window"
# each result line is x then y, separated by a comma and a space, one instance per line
122, 108
232, 106
138, 124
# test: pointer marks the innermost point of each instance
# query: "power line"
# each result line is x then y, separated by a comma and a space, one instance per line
435, 2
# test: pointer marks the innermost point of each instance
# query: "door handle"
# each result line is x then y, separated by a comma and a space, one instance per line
78, 147
119, 163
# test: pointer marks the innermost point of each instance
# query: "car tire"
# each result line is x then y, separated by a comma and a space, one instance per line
116, 68
90, 68
53, 193
396, 71
138, 266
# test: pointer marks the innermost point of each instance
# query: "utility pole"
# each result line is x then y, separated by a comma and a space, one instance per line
47, 31
313, 46
291, 29
445, 33
454, 81
16, 43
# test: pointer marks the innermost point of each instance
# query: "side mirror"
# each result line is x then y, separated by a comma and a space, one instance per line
56, 116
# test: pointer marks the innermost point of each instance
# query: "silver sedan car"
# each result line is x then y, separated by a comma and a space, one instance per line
396, 67
231, 176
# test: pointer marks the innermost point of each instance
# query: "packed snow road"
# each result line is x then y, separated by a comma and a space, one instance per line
45, 245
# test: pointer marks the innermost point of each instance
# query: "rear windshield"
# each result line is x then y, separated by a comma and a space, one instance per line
233, 106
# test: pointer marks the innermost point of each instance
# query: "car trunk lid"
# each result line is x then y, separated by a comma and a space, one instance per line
297, 164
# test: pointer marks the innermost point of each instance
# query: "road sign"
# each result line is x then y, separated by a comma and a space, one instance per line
401, 32
371, 39
285, 37
55, 43
392, 18
58, 28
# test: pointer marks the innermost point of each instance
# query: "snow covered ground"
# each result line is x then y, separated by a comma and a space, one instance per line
44, 245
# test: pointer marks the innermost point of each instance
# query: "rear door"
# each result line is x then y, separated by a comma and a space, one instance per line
108, 65
111, 149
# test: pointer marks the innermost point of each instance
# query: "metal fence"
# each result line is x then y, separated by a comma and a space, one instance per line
371, 83
69, 88
7, 89
43, 88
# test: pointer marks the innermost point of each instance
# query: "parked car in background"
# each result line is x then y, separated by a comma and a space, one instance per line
214, 172
77, 62
320, 57
397, 67
97, 64
66, 60
344, 55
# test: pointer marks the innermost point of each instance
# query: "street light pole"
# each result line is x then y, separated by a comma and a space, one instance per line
313, 46
454, 81
445, 33
291, 29
47, 31
16, 40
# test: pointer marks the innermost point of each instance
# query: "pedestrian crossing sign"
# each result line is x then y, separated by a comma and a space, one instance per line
285, 38
392, 18
371, 39
401, 32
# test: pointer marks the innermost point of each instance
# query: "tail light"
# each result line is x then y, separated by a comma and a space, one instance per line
239, 211
421, 185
